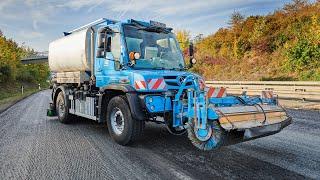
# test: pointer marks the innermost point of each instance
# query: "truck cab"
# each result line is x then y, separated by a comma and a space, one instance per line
127, 73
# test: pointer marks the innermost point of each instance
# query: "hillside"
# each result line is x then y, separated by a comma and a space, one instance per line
13, 74
284, 45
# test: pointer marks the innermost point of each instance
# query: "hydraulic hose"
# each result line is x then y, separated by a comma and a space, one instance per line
256, 104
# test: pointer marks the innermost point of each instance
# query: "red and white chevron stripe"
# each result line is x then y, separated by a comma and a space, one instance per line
267, 94
156, 84
202, 84
216, 92
140, 85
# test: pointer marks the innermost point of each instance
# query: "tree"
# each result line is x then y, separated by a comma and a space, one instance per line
295, 5
1, 34
284, 44
183, 37
236, 18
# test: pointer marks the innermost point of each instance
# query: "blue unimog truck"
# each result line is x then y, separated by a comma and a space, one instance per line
127, 73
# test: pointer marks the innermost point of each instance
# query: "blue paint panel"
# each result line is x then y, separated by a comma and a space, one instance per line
212, 115
155, 104
224, 101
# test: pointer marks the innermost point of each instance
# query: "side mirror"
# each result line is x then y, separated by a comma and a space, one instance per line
101, 40
109, 30
104, 42
192, 60
100, 53
191, 52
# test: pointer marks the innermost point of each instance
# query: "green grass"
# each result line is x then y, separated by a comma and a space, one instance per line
11, 92
16, 96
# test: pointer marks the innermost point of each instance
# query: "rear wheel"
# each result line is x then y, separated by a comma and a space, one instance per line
122, 127
62, 109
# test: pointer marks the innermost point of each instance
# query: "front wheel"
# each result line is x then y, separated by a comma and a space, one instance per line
122, 127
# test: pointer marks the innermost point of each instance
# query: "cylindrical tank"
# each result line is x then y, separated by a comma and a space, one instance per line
71, 53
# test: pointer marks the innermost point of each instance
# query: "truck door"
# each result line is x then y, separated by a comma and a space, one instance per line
108, 56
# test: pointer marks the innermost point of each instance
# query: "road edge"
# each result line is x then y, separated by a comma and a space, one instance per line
17, 101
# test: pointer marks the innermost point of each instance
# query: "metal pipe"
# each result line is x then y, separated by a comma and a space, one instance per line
92, 55
88, 25
101, 20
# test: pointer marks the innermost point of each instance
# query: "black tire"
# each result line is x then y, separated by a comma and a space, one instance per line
62, 109
169, 123
131, 129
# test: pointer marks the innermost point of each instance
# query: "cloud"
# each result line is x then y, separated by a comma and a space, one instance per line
5, 3
31, 2
43, 21
30, 34
78, 4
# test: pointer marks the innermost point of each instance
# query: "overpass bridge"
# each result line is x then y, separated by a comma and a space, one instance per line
35, 60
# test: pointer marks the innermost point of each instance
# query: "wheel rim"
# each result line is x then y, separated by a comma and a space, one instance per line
117, 121
61, 108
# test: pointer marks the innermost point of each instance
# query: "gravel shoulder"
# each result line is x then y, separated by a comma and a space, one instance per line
34, 146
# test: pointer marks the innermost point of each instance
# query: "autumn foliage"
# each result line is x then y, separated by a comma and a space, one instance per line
284, 45
11, 69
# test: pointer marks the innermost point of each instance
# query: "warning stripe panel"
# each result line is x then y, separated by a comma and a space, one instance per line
213, 92
267, 94
140, 85
156, 84
202, 84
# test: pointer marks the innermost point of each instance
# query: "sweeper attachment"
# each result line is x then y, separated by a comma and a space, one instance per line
213, 119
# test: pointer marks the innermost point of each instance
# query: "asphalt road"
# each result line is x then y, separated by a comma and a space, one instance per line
33, 146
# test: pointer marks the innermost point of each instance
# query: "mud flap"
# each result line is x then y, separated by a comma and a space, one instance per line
267, 130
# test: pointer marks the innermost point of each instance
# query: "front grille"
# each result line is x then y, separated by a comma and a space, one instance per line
173, 82
170, 77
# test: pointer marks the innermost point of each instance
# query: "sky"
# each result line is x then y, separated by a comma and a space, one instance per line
35, 23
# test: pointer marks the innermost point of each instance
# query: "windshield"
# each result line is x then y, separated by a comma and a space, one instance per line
158, 50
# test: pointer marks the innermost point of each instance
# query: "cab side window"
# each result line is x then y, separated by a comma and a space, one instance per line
115, 46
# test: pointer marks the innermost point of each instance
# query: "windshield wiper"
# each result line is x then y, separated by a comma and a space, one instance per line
176, 69
180, 68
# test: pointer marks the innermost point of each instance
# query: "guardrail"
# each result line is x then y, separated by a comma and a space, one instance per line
303, 90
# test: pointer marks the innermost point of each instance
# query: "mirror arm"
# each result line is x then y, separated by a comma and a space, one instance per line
105, 45
191, 54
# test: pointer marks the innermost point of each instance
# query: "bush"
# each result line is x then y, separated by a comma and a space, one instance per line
313, 75
304, 55
5, 73
25, 75
280, 78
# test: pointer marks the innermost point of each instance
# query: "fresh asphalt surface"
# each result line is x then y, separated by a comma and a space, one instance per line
34, 146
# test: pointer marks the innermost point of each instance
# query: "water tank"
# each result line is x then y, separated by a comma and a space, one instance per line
71, 53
